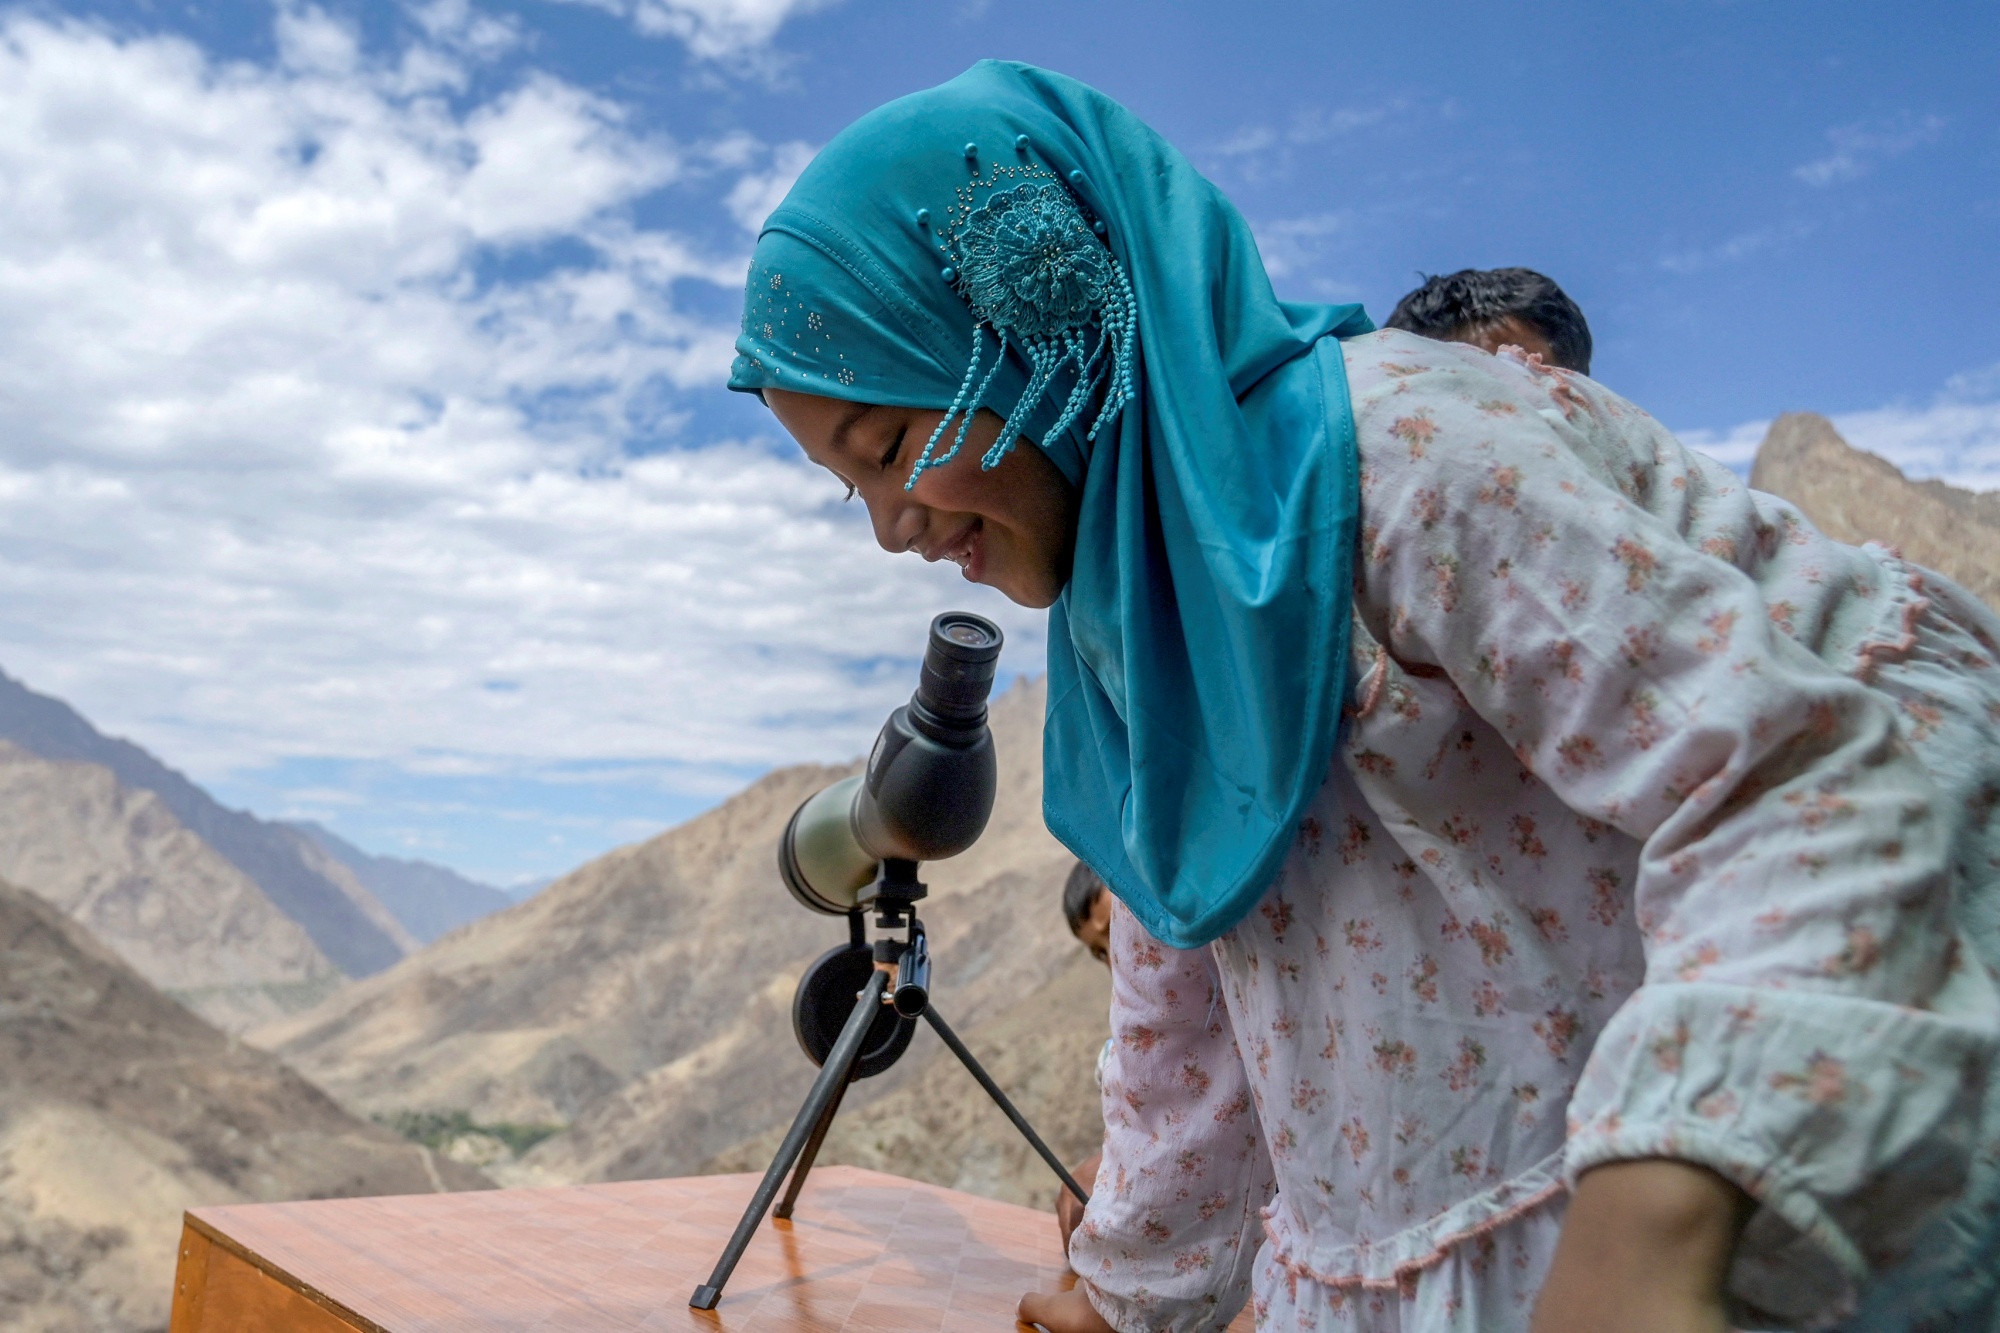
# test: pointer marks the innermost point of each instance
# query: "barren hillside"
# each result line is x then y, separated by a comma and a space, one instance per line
1856, 497
643, 1001
119, 1109
117, 860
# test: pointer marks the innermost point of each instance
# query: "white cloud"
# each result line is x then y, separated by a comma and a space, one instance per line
1291, 245
1955, 442
1737, 248
307, 438
1258, 153
1858, 148
1735, 448
456, 25
758, 193
711, 29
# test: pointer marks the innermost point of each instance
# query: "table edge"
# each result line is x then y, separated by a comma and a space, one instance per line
223, 1240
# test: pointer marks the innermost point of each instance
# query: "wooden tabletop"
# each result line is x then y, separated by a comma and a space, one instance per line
865, 1251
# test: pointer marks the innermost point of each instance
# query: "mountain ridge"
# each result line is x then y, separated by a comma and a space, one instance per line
116, 860
428, 899
355, 933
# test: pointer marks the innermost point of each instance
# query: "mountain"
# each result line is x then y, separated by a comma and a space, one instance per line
428, 900
1855, 497
643, 1001
356, 933
117, 860
119, 1109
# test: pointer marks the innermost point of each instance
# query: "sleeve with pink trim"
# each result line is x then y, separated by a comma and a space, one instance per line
1806, 1027
1174, 1222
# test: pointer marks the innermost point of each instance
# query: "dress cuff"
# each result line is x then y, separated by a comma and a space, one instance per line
1141, 1314
1851, 1122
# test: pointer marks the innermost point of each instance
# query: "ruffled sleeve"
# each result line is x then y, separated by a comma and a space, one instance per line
1174, 1222
1806, 1025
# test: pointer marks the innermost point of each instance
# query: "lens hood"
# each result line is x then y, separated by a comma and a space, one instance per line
821, 861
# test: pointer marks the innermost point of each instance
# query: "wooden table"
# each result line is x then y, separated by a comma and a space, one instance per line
866, 1251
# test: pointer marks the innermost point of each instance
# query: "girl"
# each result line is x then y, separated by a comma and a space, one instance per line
1551, 875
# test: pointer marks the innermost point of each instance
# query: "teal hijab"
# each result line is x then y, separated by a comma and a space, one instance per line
1016, 240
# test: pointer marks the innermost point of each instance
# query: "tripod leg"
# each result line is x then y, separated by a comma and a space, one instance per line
832, 1080
784, 1209
1000, 1099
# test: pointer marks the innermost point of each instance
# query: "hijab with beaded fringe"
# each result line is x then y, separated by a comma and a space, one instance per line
1017, 241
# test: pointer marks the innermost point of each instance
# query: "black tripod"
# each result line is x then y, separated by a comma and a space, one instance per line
896, 894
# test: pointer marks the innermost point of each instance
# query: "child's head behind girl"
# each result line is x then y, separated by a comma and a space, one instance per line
1087, 908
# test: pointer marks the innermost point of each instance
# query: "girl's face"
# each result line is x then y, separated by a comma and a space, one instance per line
1013, 528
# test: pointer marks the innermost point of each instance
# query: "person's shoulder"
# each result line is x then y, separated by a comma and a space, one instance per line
1391, 355
1392, 364
1416, 400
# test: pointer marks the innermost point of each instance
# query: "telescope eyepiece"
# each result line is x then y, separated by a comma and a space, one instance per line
958, 668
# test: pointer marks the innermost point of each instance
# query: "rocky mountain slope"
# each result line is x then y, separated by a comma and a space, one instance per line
644, 1000
119, 1109
354, 931
427, 900
1856, 497
118, 861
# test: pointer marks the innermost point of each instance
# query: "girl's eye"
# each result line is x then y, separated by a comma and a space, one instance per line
895, 449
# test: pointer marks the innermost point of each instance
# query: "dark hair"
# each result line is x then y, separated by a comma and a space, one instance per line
1451, 304
1080, 892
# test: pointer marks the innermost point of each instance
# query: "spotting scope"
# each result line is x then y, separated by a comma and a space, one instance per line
925, 795
927, 790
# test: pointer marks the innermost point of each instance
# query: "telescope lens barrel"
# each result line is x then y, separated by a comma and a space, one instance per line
822, 864
958, 667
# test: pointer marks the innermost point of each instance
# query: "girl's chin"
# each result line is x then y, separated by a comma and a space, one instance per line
1034, 597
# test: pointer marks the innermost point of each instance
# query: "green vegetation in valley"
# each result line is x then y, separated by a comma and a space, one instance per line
436, 1129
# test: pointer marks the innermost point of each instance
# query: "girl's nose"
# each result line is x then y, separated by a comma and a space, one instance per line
898, 521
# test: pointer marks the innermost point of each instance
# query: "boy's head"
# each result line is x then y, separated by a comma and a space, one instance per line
1493, 307
1087, 907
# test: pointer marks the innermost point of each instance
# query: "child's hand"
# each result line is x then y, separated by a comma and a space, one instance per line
1645, 1249
1062, 1312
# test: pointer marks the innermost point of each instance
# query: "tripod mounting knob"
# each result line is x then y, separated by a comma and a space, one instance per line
913, 978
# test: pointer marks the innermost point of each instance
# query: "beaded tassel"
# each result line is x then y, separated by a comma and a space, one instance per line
962, 407
1038, 275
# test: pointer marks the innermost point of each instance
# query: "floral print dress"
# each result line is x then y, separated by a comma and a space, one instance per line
1659, 826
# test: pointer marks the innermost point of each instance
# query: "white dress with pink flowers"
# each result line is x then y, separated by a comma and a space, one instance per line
1660, 825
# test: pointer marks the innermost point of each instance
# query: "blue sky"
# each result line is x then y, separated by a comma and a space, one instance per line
366, 456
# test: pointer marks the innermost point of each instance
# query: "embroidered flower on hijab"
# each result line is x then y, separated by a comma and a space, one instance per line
1030, 264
